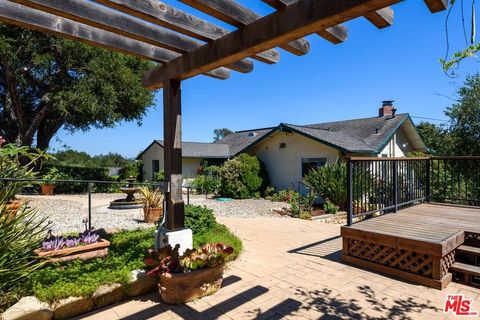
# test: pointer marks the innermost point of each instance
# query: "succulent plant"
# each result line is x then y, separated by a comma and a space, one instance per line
89, 236
167, 259
72, 242
53, 243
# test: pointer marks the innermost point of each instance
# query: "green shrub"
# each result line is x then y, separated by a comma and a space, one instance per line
305, 215
159, 176
240, 177
330, 182
208, 180
330, 208
219, 233
71, 172
199, 219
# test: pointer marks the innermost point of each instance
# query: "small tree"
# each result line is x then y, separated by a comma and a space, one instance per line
221, 133
240, 177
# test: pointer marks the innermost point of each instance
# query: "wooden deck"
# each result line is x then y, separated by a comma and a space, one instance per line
417, 244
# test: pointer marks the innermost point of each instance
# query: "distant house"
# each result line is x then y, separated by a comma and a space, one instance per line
289, 150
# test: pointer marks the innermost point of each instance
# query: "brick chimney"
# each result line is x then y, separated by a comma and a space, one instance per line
387, 109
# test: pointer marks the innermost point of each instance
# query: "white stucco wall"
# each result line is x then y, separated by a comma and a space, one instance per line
398, 146
155, 152
285, 165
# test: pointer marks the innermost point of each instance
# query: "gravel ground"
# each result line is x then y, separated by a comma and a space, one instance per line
67, 211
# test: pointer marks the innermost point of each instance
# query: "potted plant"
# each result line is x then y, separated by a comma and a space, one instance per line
48, 187
195, 274
87, 245
153, 206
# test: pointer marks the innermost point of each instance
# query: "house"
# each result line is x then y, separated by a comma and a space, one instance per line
289, 150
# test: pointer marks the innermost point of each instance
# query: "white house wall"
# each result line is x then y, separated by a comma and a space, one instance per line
398, 146
155, 152
285, 165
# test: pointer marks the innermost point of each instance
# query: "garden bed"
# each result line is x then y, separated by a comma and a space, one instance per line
54, 284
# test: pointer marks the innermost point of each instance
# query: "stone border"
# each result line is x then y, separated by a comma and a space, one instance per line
30, 307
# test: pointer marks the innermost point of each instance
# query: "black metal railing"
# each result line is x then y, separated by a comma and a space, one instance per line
89, 186
383, 185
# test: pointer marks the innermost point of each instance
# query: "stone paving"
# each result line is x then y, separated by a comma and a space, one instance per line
290, 269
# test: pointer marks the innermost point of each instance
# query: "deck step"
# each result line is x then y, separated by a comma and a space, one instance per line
465, 268
469, 250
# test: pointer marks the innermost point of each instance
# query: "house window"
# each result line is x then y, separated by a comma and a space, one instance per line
312, 163
155, 167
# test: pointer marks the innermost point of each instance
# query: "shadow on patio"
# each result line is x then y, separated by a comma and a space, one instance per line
330, 248
259, 302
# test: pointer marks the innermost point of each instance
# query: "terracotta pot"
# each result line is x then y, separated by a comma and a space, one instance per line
152, 215
83, 252
48, 189
180, 288
11, 209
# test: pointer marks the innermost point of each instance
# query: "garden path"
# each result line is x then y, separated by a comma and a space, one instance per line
290, 269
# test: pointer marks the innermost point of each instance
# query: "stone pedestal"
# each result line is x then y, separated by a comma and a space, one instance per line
183, 237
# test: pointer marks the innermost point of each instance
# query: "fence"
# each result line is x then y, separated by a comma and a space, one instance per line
89, 185
382, 185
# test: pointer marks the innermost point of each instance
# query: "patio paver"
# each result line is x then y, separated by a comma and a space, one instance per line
290, 269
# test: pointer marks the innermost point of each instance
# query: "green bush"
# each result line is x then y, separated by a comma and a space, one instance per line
199, 219
78, 173
240, 177
330, 208
330, 182
219, 233
208, 180
159, 176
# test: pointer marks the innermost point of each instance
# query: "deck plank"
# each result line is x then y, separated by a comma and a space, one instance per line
433, 223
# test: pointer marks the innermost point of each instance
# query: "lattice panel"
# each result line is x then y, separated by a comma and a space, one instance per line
447, 262
405, 260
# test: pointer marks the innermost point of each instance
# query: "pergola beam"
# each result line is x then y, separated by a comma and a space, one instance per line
336, 34
237, 15
116, 22
381, 18
164, 15
297, 20
436, 5
40, 21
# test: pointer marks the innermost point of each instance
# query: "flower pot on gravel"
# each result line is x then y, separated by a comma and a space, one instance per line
48, 189
152, 215
178, 288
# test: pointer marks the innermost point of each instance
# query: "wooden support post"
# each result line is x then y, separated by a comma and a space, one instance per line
172, 135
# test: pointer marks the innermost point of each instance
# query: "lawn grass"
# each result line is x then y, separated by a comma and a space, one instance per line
126, 253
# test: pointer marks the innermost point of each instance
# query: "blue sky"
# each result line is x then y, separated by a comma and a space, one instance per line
332, 82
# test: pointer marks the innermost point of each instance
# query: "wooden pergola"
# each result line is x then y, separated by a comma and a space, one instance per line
185, 46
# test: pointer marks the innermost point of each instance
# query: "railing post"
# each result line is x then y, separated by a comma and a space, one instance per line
349, 192
89, 206
395, 185
428, 187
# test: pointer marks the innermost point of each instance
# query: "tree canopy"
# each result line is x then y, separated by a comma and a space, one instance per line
221, 133
48, 82
462, 135
75, 158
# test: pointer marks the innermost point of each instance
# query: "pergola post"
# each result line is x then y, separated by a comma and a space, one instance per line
172, 135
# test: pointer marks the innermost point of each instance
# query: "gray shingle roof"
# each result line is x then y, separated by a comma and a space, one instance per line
203, 149
367, 135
